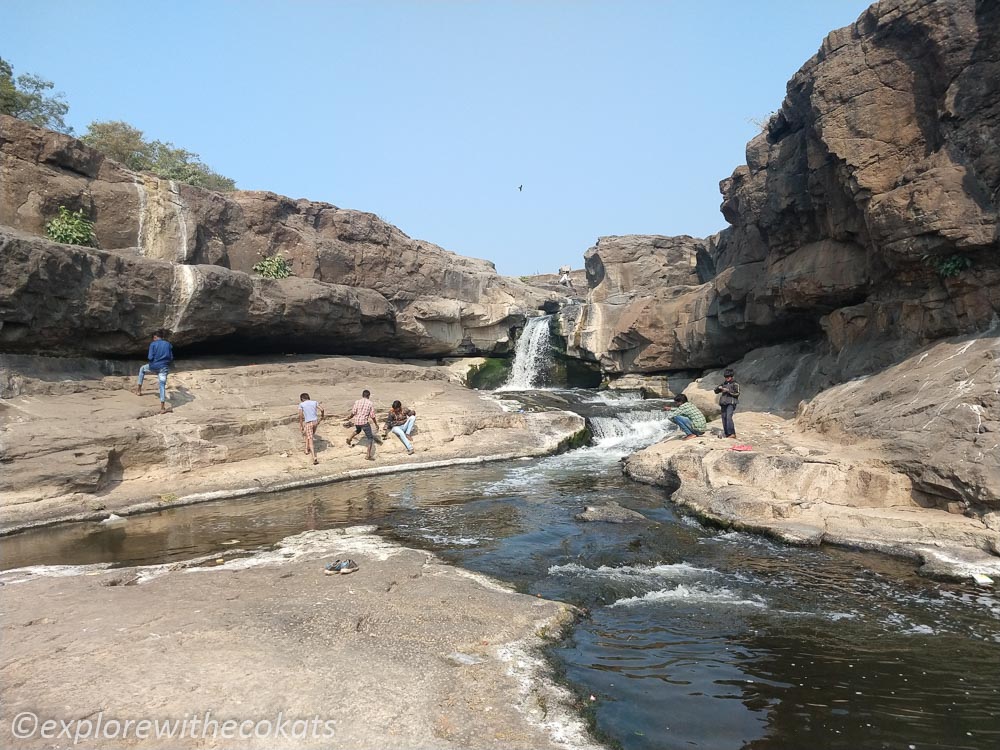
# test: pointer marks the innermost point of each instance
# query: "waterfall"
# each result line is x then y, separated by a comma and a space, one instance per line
529, 356
185, 287
140, 188
178, 202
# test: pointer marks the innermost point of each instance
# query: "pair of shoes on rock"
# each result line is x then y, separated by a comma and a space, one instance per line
340, 567
349, 443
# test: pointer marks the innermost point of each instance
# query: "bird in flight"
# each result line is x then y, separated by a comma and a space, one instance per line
519, 188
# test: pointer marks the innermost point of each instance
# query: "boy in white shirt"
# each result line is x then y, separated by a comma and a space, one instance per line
310, 415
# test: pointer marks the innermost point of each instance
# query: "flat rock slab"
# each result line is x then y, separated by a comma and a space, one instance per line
806, 488
406, 652
80, 446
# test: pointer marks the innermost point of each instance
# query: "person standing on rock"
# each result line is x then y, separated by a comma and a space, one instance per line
687, 417
400, 422
730, 391
361, 416
160, 355
310, 415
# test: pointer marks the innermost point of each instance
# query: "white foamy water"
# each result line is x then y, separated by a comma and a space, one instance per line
455, 541
614, 438
630, 430
632, 573
530, 356
694, 594
613, 397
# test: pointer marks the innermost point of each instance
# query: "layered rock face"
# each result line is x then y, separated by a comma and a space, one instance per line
59, 299
444, 303
877, 180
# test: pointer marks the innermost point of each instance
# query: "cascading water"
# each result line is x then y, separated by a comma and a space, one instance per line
630, 430
530, 356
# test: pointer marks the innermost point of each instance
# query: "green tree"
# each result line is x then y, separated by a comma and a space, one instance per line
126, 144
180, 164
26, 98
120, 141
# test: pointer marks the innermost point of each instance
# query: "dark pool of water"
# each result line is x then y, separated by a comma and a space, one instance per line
693, 637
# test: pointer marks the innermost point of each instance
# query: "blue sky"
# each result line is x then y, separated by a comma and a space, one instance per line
617, 117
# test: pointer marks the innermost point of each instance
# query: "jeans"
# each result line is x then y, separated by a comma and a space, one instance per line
728, 428
402, 430
161, 375
686, 425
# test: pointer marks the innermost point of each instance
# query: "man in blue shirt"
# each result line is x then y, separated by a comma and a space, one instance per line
160, 355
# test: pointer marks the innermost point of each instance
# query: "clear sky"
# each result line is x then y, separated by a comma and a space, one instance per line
616, 117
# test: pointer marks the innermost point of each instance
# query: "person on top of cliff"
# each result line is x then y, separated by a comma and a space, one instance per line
310, 415
160, 355
362, 415
400, 422
730, 391
687, 417
564, 279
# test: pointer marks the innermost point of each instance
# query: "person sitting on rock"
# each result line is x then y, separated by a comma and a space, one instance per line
687, 417
160, 355
310, 415
730, 391
400, 422
362, 415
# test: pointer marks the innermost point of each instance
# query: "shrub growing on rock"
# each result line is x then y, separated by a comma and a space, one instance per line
951, 266
71, 228
273, 267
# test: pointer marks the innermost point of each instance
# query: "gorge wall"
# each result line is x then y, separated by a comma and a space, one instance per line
865, 218
859, 280
191, 251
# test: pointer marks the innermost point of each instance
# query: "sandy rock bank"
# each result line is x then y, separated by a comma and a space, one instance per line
406, 652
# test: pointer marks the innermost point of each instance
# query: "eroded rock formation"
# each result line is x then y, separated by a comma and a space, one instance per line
866, 216
443, 303
859, 276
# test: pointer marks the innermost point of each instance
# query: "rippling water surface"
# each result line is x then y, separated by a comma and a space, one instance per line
693, 637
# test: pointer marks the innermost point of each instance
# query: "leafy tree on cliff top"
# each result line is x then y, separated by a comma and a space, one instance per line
124, 143
25, 97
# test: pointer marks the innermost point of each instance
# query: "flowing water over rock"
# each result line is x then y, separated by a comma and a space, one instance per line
530, 356
692, 637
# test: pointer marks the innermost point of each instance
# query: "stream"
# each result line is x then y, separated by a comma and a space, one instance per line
692, 637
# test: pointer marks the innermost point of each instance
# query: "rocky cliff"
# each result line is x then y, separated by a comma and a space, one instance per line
865, 218
860, 273
436, 302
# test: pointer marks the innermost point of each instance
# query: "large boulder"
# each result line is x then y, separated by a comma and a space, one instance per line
622, 268
647, 309
936, 415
